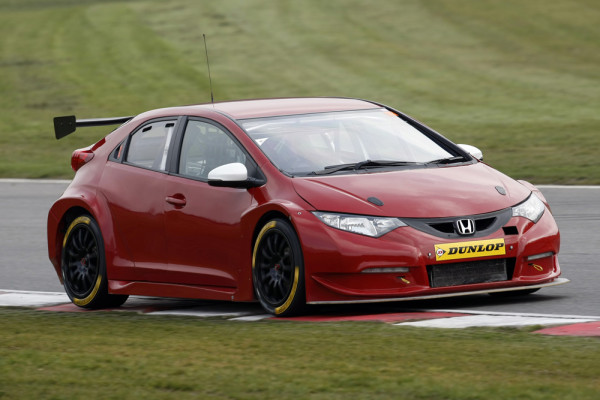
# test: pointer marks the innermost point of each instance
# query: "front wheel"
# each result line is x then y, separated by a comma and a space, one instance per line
278, 269
84, 267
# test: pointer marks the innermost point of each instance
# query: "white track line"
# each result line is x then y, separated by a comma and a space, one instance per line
31, 299
11, 180
204, 312
27, 291
514, 314
252, 318
568, 186
491, 321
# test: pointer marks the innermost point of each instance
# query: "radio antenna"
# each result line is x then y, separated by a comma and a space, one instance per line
212, 100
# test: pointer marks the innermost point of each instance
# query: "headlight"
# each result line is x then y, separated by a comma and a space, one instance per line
532, 208
361, 224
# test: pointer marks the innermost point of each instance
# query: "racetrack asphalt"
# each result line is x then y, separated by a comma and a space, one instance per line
24, 266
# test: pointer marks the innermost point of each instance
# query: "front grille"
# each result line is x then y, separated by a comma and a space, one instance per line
470, 272
481, 224
445, 227
485, 224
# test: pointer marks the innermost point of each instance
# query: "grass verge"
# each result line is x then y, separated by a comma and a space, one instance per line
518, 79
122, 355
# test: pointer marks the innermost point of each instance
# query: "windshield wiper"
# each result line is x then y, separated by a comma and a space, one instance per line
447, 160
330, 169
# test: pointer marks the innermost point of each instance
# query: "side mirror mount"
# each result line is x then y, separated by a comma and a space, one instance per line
234, 175
472, 150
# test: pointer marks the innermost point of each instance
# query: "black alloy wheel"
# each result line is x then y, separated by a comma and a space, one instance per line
84, 268
81, 261
278, 269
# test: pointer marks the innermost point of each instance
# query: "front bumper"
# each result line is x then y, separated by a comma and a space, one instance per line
336, 261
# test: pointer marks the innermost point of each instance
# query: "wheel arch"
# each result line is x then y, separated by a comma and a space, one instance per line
254, 223
269, 215
64, 211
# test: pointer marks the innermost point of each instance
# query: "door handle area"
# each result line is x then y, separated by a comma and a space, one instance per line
178, 200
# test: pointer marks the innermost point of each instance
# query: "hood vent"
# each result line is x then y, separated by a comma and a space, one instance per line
375, 201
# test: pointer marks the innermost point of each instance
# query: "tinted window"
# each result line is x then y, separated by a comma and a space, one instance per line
206, 147
149, 146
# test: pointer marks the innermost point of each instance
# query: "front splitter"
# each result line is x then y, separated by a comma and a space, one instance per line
556, 282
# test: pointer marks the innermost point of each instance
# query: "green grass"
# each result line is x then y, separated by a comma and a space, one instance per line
519, 79
123, 355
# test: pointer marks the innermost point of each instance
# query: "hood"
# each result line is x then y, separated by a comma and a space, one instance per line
418, 193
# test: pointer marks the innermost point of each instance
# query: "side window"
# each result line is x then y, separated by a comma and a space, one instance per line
149, 146
206, 147
117, 152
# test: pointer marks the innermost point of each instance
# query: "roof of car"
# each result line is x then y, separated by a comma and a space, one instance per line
288, 106
244, 109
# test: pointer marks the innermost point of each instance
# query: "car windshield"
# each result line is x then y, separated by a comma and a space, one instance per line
337, 141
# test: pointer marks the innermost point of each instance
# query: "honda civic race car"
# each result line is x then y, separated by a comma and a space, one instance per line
288, 202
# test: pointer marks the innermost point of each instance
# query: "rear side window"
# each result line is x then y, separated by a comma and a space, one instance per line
149, 146
206, 147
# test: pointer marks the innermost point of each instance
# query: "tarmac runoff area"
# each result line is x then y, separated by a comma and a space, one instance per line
567, 325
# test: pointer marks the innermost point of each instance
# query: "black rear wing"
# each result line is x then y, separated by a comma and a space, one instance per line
66, 125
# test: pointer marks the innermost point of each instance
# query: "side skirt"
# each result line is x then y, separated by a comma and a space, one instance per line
172, 290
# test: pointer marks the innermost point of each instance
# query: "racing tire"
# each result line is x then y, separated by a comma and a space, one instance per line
513, 293
83, 266
278, 269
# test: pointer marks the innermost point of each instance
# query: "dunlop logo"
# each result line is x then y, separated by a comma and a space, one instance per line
474, 249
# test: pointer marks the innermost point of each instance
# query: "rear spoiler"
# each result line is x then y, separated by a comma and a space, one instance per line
66, 125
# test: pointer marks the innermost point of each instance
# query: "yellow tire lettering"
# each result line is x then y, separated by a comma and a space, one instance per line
281, 309
78, 220
88, 299
264, 230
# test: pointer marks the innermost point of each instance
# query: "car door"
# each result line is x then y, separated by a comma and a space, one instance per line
204, 231
133, 183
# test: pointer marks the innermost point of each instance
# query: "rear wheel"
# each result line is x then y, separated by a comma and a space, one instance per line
278, 269
84, 266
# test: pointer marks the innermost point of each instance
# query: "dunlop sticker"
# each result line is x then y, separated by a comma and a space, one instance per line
474, 249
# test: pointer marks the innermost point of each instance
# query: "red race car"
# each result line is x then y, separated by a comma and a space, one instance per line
288, 202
